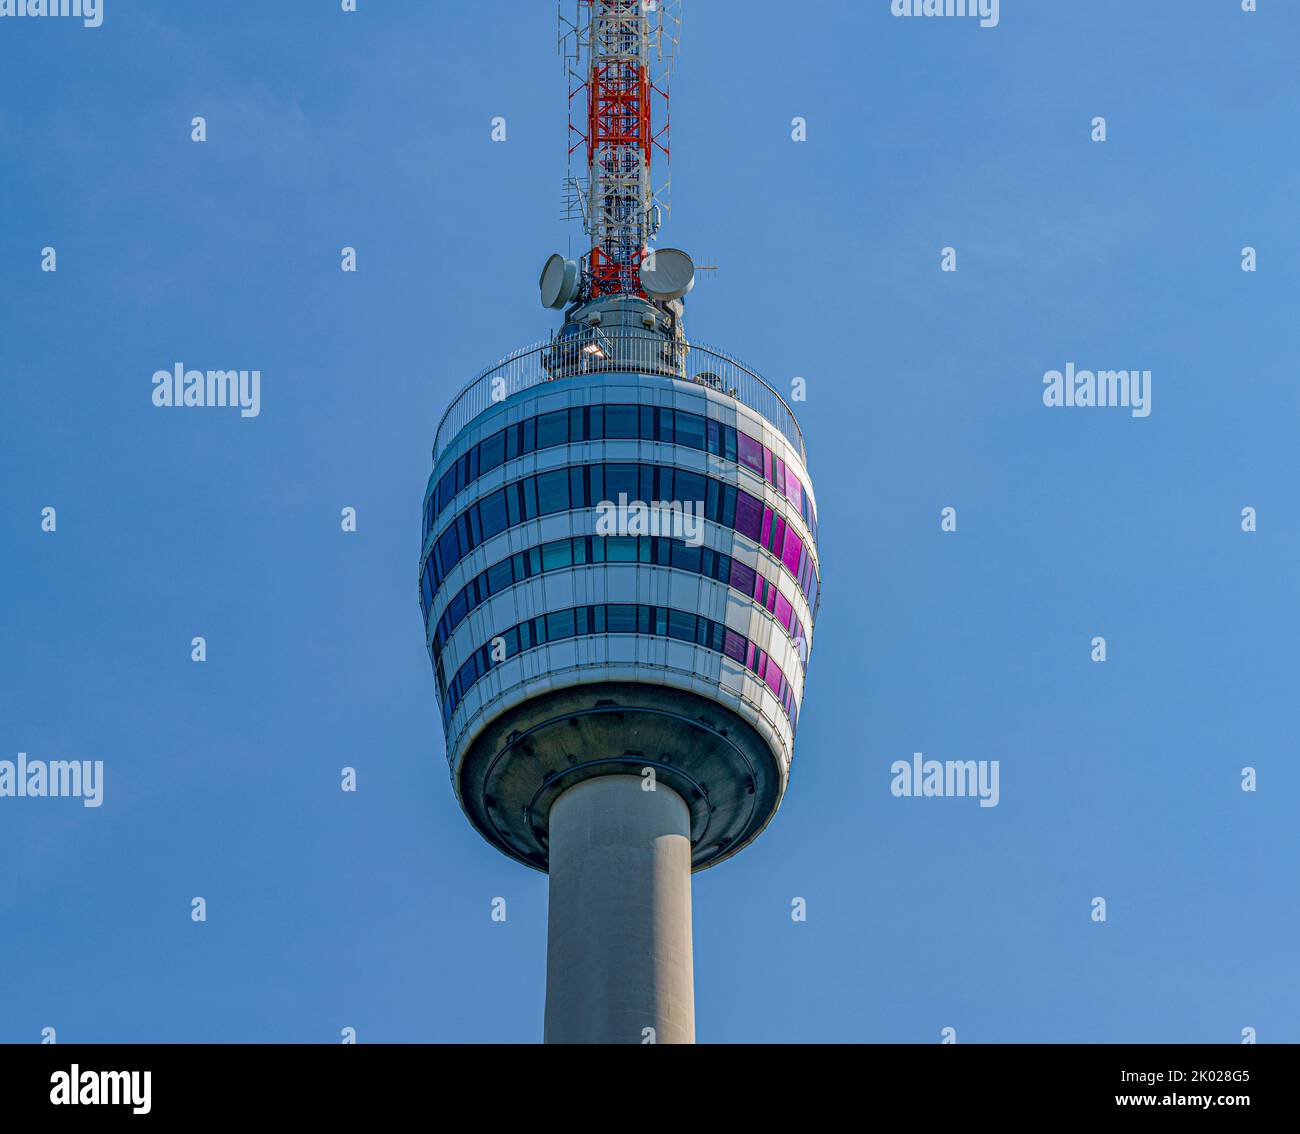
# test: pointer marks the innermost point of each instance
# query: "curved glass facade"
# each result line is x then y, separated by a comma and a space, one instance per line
617, 618
612, 422
587, 485
579, 551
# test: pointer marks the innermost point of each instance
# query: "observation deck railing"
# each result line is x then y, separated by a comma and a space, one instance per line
608, 353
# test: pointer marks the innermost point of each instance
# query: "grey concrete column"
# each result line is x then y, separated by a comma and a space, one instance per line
618, 954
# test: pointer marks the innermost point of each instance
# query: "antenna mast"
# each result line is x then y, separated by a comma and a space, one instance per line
618, 55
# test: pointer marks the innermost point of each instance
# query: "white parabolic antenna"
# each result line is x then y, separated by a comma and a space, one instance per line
559, 281
667, 273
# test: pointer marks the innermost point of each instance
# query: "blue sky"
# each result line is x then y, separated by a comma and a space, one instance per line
372, 910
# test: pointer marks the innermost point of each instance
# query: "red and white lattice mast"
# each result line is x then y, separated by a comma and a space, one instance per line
619, 55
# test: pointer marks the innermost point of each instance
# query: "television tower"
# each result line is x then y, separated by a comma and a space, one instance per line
619, 575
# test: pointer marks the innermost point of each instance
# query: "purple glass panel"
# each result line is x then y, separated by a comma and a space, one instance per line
742, 577
784, 611
778, 468
773, 676
766, 531
733, 645
750, 452
794, 490
793, 551
749, 515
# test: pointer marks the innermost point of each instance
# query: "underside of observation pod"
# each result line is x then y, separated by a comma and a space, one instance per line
517, 766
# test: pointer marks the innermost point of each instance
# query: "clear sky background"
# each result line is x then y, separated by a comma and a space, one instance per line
372, 910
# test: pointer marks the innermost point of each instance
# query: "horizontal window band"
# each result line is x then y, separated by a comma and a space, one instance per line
579, 486
581, 551
614, 422
614, 618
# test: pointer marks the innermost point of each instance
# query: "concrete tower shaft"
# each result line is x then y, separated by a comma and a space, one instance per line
619, 965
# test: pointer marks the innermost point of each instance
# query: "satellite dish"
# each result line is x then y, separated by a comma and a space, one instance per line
558, 281
667, 273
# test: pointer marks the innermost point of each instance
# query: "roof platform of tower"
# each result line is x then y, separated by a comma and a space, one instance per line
603, 352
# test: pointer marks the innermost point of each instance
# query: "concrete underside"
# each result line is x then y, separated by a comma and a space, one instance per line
618, 960
519, 766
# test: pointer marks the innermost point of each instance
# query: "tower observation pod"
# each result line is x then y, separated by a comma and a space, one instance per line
619, 575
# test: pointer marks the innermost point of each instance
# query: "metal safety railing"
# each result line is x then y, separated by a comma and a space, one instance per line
597, 352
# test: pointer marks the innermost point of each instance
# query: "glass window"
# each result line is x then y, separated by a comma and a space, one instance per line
733, 645
559, 624
647, 423
620, 421
492, 452
666, 432
556, 555
621, 618
784, 611
742, 577
685, 557
690, 430
749, 515
446, 488
794, 490
688, 487
793, 551
551, 492
750, 452
681, 625
620, 549
552, 429
500, 576
728, 443
620, 479
492, 514
449, 549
